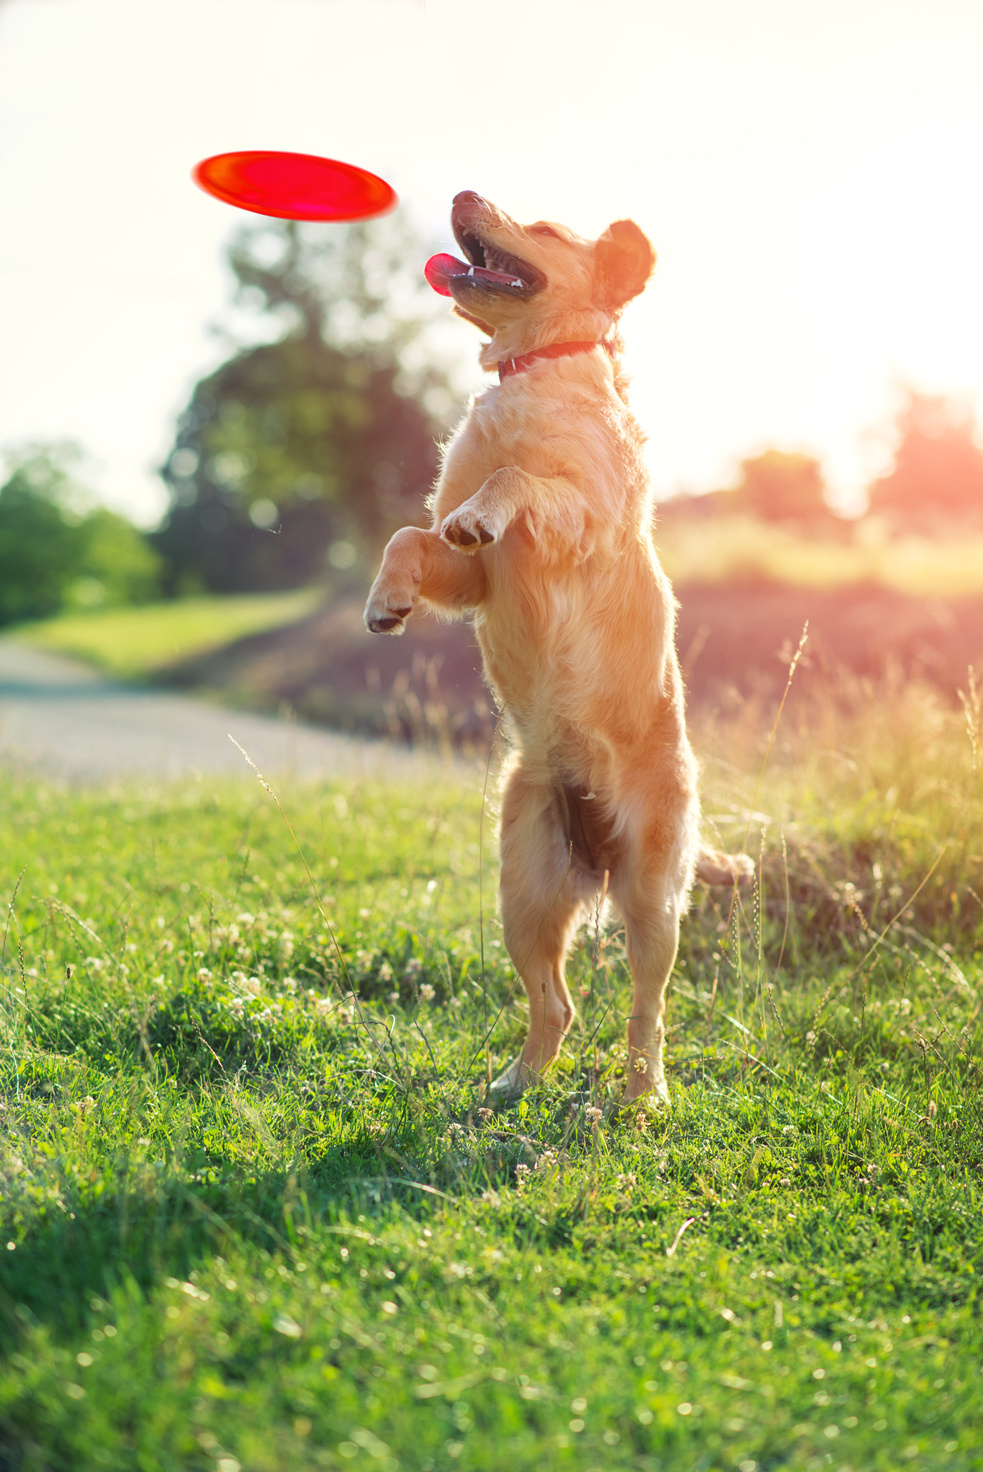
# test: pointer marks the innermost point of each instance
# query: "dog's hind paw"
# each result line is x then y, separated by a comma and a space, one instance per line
652, 1095
511, 1082
467, 529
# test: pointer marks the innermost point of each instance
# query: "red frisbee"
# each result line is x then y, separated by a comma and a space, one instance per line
294, 186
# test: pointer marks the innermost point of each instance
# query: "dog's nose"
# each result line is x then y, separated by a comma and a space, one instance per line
468, 196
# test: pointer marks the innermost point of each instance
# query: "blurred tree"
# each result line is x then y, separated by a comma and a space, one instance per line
305, 453
775, 486
779, 486
936, 480
39, 542
118, 564
55, 554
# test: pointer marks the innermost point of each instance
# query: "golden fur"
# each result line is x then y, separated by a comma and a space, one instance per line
541, 533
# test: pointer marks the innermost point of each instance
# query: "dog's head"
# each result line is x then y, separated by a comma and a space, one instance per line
530, 285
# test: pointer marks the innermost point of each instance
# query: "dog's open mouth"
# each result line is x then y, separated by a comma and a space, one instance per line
486, 267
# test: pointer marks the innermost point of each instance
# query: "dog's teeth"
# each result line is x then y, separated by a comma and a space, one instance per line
471, 271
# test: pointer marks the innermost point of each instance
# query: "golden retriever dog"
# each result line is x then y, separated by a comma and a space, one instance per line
542, 535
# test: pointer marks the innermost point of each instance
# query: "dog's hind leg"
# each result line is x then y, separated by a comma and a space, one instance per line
543, 897
651, 910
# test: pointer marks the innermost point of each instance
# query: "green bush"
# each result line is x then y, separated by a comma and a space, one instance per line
54, 554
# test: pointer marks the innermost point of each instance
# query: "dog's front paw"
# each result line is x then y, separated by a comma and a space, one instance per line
468, 529
393, 595
387, 610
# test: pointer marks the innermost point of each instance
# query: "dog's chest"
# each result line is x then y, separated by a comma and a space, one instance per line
507, 426
506, 430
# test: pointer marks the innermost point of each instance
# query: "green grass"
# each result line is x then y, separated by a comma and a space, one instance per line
134, 642
251, 1221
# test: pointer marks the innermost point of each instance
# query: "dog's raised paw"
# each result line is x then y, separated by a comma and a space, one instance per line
383, 619
466, 530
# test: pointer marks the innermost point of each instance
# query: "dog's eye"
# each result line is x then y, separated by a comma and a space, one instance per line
543, 230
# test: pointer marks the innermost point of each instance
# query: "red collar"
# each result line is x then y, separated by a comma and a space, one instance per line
508, 366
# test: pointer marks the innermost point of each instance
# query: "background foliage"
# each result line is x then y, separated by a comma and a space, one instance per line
56, 550
936, 479
304, 454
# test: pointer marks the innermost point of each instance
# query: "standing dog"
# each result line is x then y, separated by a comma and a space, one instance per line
541, 531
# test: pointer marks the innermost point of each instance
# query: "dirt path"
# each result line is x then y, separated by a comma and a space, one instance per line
62, 720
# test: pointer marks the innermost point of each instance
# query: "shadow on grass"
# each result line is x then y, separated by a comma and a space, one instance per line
160, 1223
163, 1219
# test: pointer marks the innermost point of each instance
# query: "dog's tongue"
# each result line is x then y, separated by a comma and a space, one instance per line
439, 270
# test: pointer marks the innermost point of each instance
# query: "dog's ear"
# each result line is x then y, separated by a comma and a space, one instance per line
623, 263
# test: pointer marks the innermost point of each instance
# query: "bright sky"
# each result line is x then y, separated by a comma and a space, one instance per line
810, 175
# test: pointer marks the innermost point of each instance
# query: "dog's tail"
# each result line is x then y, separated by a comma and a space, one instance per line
730, 869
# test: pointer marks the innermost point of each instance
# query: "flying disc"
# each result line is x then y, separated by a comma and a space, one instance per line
294, 186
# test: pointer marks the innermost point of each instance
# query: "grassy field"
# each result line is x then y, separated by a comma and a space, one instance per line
724, 548
134, 642
257, 1214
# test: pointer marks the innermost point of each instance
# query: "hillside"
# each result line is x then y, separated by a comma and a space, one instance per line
733, 639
